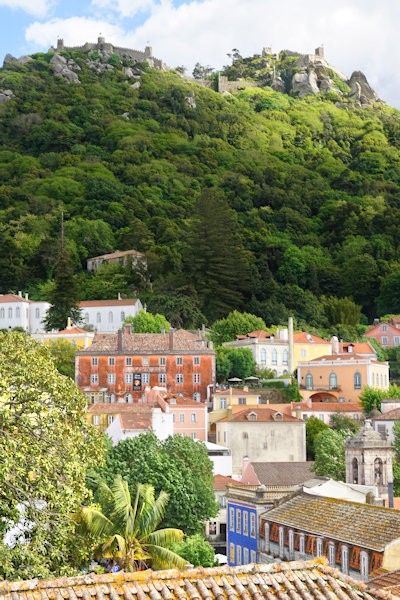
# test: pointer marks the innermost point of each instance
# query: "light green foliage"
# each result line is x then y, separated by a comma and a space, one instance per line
236, 323
234, 362
178, 465
396, 461
127, 527
314, 426
330, 454
196, 551
46, 447
371, 398
63, 353
340, 422
145, 322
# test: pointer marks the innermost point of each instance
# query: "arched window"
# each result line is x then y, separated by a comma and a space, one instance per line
373, 379
263, 356
354, 469
266, 537
128, 398
86, 317
122, 316
364, 567
345, 559
274, 357
98, 318
281, 540
10, 313
2, 313
18, 313
285, 357
378, 471
37, 313
291, 544
110, 316
357, 381
332, 381
309, 381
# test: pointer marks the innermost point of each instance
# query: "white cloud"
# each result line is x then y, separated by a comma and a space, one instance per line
75, 31
125, 8
37, 8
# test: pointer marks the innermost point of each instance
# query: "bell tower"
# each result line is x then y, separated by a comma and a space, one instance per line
369, 460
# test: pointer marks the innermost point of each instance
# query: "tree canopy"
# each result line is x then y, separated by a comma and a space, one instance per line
46, 447
145, 322
330, 454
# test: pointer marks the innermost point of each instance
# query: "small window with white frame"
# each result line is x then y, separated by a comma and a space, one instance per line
196, 377
197, 397
94, 378
162, 378
179, 360
110, 419
364, 565
111, 378
245, 522
266, 537
162, 361
231, 518
253, 556
96, 419
145, 378
128, 377
345, 559
196, 360
331, 554
319, 547
238, 521
179, 378
252, 525
238, 555
111, 361
245, 556
302, 543
128, 361
95, 361
193, 418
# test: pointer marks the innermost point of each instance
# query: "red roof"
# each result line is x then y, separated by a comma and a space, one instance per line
329, 407
303, 337
358, 348
221, 481
73, 331
263, 415
12, 298
122, 302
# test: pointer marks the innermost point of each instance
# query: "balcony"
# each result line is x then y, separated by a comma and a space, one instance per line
321, 388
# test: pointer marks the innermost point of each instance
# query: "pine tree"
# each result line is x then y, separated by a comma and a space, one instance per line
218, 263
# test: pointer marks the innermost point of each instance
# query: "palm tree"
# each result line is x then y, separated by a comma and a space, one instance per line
128, 529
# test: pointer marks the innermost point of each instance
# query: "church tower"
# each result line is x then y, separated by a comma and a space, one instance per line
369, 460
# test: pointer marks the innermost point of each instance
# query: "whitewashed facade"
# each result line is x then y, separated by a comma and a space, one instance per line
107, 316
17, 310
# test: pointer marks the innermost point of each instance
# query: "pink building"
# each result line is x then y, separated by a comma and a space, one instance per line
386, 333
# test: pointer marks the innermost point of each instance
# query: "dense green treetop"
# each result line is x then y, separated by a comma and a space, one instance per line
330, 454
145, 322
256, 201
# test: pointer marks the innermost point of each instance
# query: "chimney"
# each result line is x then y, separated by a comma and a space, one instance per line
20, 294
26, 296
128, 329
298, 412
171, 339
69, 323
119, 296
119, 342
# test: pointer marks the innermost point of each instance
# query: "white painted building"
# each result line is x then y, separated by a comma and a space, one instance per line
131, 424
107, 316
17, 310
269, 351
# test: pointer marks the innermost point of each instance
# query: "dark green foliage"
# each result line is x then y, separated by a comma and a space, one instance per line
234, 362
344, 423
64, 296
257, 201
196, 550
178, 465
314, 426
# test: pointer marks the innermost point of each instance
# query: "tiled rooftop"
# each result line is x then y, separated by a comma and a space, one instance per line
329, 406
263, 415
295, 581
183, 341
119, 302
12, 298
283, 473
221, 481
362, 524
303, 337
386, 581
391, 415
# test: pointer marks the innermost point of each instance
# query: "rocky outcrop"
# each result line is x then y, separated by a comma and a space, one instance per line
6, 95
361, 91
65, 68
278, 84
304, 83
11, 61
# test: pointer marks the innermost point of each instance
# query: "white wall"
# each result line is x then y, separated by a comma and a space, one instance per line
107, 324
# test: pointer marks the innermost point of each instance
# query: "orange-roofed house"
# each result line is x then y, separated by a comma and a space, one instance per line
262, 434
387, 333
16, 310
323, 410
307, 347
340, 377
215, 529
78, 337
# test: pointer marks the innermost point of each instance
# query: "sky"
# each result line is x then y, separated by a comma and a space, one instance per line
357, 35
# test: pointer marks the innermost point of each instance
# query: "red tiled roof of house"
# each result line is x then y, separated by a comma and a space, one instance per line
329, 407
372, 330
137, 421
74, 331
303, 337
141, 343
220, 482
114, 408
264, 415
237, 392
358, 348
344, 357
298, 580
121, 302
391, 415
260, 333
118, 254
12, 298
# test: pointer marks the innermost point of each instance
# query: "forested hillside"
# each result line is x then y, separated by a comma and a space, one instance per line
257, 201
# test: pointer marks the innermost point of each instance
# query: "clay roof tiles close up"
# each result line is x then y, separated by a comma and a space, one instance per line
296, 580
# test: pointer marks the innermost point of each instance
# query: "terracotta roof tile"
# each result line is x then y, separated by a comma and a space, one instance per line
329, 406
391, 415
94, 303
263, 415
303, 337
115, 408
358, 348
296, 580
387, 581
221, 481
283, 473
12, 298
74, 331
362, 524
137, 421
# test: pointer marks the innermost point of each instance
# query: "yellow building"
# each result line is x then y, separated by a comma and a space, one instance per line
307, 347
78, 337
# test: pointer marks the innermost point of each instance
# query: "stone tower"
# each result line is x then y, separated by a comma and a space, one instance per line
369, 460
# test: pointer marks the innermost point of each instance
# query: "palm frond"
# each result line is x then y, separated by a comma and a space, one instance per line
114, 547
93, 521
164, 537
122, 513
150, 518
163, 558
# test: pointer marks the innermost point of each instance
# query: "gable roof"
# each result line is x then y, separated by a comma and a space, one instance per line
117, 302
358, 348
117, 254
13, 298
295, 580
328, 406
378, 328
220, 482
283, 473
391, 415
365, 525
263, 415
302, 337
74, 331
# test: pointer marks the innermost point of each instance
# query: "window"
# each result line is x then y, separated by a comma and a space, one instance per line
95, 361
94, 378
378, 471
253, 556
181, 417
245, 556
128, 377
110, 317
364, 564
245, 435
332, 381
179, 378
37, 313
18, 313
96, 419
2, 313
242, 400
345, 559
196, 360
231, 554
252, 525
196, 377
263, 356
122, 316
274, 357
291, 544
10, 313
162, 378
303, 353
98, 318
319, 547
194, 435
357, 381
110, 419
354, 470
266, 537
281, 541
128, 398
86, 317
145, 361
212, 528
331, 554
193, 418
285, 357
238, 555
128, 361
222, 402
162, 360
238, 521
231, 519
309, 381
145, 378
179, 360
245, 523
197, 397
384, 341
111, 361
396, 340
373, 379
222, 501
111, 378
302, 543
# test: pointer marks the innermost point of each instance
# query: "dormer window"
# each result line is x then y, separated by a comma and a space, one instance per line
252, 416
172, 401
278, 416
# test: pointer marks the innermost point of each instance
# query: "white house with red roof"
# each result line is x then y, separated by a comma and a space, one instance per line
107, 316
17, 310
